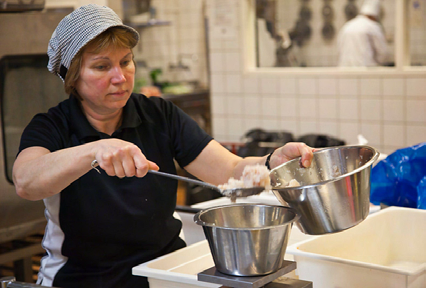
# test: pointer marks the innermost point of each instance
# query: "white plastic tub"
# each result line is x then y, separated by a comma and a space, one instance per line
178, 269
387, 250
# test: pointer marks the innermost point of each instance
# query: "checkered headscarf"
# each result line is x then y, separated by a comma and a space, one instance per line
75, 31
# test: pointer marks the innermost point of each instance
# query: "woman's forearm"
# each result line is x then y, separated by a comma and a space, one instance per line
38, 174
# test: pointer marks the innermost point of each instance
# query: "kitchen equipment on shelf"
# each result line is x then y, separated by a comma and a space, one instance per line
328, 30
13, 6
247, 239
351, 10
334, 192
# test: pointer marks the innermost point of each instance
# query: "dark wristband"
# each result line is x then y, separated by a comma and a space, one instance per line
267, 161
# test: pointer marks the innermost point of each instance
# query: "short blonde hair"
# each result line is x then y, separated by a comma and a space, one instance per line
115, 36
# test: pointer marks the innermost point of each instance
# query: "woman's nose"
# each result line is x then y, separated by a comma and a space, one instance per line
117, 75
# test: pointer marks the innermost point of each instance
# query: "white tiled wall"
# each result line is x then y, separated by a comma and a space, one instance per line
183, 40
388, 110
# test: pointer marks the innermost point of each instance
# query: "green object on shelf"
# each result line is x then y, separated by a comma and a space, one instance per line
139, 83
178, 89
155, 73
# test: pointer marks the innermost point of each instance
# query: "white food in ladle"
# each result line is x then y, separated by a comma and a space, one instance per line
253, 176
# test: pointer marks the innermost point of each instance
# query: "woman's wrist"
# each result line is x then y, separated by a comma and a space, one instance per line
268, 160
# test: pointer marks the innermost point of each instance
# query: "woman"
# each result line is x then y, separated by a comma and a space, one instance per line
100, 225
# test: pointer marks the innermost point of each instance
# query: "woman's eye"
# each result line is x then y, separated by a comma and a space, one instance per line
125, 63
101, 67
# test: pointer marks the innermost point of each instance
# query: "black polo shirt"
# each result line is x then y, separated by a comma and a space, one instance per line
108, 221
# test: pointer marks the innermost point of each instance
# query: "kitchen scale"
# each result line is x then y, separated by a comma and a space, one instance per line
273, 280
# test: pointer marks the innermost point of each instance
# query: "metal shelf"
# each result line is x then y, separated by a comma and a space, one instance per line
150, 23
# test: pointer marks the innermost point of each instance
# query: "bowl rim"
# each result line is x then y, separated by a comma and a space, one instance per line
321, 150
198, 221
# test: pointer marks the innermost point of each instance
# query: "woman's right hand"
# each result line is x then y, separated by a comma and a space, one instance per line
39, 173
122, 159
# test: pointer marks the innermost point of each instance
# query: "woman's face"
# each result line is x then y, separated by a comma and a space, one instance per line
106, 80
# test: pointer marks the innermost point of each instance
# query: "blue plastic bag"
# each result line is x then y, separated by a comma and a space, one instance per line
421, 188
400, 179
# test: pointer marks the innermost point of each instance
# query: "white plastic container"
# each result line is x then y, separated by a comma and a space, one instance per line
386, 250
179, 268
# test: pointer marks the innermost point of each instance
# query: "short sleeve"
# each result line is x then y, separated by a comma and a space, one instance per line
43, 131
188, 138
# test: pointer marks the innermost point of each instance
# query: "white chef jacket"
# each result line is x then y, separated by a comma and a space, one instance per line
361, 42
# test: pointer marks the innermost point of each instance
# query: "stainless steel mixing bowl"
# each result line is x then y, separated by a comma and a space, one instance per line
335, 191
247, 239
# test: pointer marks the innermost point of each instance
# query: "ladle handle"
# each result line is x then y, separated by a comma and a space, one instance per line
186, 179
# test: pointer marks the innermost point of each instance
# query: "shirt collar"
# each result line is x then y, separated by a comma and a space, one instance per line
82, 128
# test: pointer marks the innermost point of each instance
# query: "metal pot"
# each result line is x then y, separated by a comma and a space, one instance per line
247, 239
334, 193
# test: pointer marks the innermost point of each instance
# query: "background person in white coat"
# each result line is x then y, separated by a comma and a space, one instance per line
361, 41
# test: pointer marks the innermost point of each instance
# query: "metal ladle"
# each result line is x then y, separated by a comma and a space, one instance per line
232, 193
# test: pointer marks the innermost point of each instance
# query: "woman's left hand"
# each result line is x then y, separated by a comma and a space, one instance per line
290, 151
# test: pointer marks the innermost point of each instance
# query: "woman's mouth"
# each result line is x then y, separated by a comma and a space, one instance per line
119, 93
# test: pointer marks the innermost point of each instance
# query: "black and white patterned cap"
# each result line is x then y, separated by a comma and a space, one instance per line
75, 31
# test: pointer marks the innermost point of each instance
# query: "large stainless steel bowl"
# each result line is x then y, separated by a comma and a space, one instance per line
247, 239
335, 191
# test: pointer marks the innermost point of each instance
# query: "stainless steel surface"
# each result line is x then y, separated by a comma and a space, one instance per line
6, 280
247, 239
21, 34
9, 282
211, 275
335, 191
232, 193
